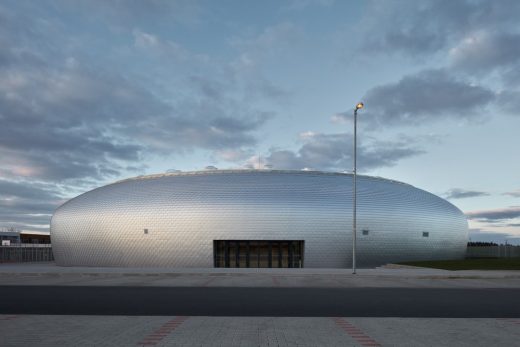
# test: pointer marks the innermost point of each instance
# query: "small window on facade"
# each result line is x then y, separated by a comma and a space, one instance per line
146, 231
425, 234
365, 232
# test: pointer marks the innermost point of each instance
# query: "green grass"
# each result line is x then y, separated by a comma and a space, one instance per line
470, 264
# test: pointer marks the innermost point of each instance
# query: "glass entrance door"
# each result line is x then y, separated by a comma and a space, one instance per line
258, 253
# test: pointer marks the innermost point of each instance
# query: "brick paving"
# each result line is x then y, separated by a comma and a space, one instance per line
155, 331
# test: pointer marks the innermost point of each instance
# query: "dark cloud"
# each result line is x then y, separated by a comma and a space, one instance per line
57, 115
457, 193
400, 27
509, 102
474, 38
426, 27
495, 215
27, 190
335, 152
25, 204
424, 97
206, 124
483, 52
70, 127
511, 77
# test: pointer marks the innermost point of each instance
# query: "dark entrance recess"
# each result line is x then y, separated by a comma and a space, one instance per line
244, 253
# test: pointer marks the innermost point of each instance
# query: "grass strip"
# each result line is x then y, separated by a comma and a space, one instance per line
469, 264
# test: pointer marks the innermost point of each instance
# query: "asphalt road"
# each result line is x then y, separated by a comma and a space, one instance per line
275, 302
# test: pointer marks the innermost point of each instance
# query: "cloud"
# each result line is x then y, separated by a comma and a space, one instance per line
132, 12
399, 27
271, 43
58, 115
27, 190
232, 155
145, 40
257, 162
509, 102
67, 120
24, 203
166, 49
473, 42
485, 51
514, 193
299, 5
457, 193
69, 127
335, 151
499, 214
204, 125
472, 38
427, 27
425, 97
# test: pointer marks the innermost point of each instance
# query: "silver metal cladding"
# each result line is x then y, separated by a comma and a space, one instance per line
171, 220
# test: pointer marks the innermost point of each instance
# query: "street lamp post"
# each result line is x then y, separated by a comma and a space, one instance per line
358, 107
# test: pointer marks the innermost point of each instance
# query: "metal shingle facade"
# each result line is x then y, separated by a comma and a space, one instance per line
185, 212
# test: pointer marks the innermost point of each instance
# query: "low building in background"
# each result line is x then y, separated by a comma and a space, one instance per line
492, 250
10, 236
24, 246
255, 218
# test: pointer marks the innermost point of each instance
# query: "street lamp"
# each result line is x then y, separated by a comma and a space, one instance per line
359, 106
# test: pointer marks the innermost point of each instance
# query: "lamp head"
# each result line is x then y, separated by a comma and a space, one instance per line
359, 105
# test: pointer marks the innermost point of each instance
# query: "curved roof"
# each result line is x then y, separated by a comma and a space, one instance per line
262, 171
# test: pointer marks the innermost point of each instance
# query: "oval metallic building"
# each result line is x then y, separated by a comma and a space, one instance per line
254, 218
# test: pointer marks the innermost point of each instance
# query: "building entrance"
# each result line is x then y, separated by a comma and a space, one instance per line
256, 254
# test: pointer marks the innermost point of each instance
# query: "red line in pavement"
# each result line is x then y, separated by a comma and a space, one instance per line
163, 331
356, 333
8, 317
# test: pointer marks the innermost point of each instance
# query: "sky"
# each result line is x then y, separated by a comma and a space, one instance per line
93, 91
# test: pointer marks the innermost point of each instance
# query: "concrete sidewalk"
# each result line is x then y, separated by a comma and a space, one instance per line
43, 331
50, 274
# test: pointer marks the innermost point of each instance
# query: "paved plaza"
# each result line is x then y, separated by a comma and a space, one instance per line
51, 331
